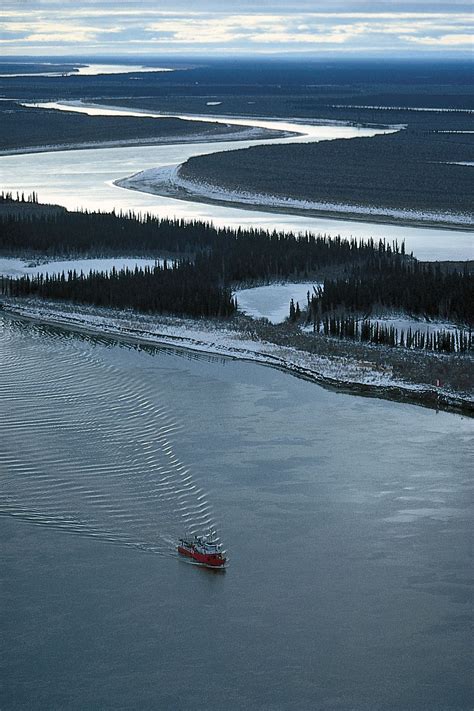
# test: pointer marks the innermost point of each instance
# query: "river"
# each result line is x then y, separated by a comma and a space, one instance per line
345, 520
84, 179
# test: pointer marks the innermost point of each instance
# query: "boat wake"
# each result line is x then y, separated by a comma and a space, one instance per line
87, 446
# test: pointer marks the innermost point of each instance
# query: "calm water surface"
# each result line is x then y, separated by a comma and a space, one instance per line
84, 179
345, 519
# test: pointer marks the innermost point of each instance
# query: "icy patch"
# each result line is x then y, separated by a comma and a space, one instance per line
272, 301
403, 322
89, 70
17, 268
94, 69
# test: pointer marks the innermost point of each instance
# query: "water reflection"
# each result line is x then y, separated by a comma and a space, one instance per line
85, 179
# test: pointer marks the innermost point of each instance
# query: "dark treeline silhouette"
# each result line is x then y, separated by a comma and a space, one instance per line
181, 288
441, 340
211, 260
236, 254
402, 285
7, 197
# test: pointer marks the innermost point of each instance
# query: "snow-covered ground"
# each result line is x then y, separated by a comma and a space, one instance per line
213, 192
209, 337
215, 338
403, 322
273, 301
19, 267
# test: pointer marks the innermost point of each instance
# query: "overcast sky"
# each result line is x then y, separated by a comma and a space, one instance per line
236, 27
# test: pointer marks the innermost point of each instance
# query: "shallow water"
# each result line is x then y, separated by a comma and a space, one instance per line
346, 522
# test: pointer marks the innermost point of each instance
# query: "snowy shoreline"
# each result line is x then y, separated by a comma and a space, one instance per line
250, 134
167, 181
339, 373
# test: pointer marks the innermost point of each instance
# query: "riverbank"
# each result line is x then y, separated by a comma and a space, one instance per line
341, 366
252, 134
169, 182
44, 129
399, 174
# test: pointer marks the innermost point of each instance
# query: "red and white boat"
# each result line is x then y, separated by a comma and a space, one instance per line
205, 550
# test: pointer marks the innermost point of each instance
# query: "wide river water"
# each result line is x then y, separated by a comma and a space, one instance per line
345, 520
84, 179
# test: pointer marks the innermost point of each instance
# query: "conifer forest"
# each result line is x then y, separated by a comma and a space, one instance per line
204, 264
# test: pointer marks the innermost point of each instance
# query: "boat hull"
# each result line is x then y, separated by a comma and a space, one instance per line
213, 561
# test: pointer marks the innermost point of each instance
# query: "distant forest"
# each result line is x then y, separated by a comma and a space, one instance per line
208, 262
278, 87
405, 170
27, 127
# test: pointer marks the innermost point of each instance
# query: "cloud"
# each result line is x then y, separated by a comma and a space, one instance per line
313, 26
455, 40
112, 26
53, 32
242, 6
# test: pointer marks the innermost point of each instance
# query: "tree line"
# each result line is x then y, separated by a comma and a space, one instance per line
440, 340
238, 254
8, 196
180, 288
209, 261
408, 286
